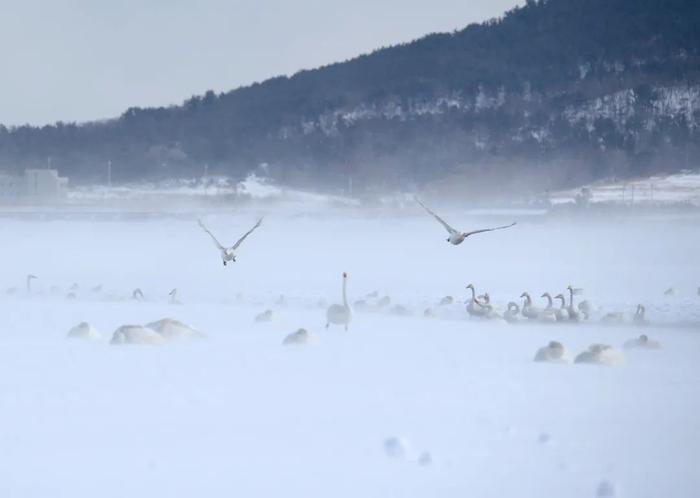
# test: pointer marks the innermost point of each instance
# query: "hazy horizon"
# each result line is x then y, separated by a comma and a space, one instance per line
74, 60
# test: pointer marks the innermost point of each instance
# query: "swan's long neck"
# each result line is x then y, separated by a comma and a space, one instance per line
563, 301
345, 296
549, 300
528, 301
571, 298
473, 293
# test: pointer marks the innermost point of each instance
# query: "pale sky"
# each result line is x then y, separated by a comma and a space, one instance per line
78, 60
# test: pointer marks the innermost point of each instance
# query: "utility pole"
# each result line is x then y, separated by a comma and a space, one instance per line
109, 173
205, 179
48, 162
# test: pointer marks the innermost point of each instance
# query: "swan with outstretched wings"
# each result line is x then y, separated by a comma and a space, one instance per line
456, 237
228, 253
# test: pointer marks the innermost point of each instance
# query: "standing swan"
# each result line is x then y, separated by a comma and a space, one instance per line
474, 307
562, 312
227, 253
574, 315
528, 310
29, 282
639, 319
456, 237
173, 297
340, 314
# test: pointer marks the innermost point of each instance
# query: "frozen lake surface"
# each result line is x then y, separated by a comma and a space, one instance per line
239, 414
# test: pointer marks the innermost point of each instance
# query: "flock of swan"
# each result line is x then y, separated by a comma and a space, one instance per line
341, 314
481, 307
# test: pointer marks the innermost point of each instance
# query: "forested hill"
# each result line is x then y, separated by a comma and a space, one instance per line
555, 92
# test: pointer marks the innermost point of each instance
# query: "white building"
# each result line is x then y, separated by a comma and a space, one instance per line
37, 185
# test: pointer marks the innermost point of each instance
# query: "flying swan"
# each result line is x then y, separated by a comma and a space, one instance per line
456, 237
227, 253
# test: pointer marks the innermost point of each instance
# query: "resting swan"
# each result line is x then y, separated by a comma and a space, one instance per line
265, 316
511, 314
447, 300
169, 328
489, 311
84, 331
300, 337
600, 354
642, 342
554, 352
340, 314
136, 334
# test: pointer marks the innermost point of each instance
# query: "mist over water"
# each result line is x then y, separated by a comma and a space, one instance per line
239, 413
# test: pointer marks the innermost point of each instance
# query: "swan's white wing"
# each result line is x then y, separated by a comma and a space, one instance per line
489, 229
218, 244
442, 222
240, 241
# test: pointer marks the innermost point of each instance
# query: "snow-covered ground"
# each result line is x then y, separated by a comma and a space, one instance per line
239, 414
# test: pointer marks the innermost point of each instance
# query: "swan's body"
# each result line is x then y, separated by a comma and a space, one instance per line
586, 309
300, 337
169, 328
670, 292
228, 253
447, 300
384, 302
136, 334
400, 310
265, 316
487, 310
642, 342
137, 295
600, 354
340, 314
511, 314
613, 318
84, 331
456, 237
554, 352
